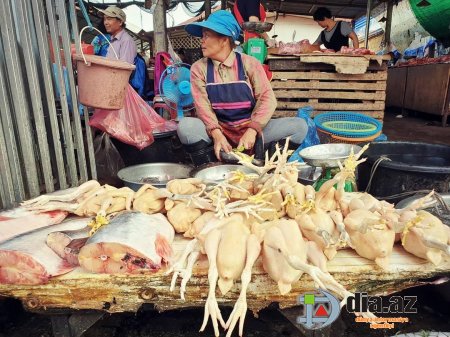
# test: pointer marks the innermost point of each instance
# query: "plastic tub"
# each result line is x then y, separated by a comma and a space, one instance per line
412, 166
166, 148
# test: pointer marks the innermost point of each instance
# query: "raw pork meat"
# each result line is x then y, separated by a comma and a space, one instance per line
356, 51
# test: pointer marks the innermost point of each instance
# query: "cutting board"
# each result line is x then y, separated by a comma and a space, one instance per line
344, 63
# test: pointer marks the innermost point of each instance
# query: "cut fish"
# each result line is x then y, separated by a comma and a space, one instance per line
26, 259
14, 224
132, 242
67, 244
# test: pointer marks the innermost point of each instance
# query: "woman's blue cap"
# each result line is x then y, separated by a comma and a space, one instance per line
222, 22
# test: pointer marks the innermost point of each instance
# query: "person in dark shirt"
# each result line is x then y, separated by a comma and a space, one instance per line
336, 33
253, 11
249, 8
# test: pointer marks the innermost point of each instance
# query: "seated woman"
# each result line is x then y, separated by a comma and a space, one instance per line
233, 98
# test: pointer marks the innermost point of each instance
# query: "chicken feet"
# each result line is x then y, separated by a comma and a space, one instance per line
211, 305
240, 307
66, 197
183, 268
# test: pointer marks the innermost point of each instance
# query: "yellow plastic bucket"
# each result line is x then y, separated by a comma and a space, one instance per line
102, 82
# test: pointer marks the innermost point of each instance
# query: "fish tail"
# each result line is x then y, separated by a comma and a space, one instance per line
163, 247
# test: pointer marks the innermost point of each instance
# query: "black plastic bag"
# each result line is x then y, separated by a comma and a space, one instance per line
108, 160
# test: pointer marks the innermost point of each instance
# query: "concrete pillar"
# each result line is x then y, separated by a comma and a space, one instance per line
159, 26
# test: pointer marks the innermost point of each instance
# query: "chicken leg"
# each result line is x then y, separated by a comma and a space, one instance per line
240, 307
182, 268
66, 197
211, 307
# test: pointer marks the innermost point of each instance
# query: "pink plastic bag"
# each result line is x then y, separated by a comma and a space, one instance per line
134, 124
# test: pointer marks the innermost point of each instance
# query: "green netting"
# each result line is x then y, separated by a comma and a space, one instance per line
434, 18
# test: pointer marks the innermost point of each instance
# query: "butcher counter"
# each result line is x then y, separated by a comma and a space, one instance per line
126, 293
329, 82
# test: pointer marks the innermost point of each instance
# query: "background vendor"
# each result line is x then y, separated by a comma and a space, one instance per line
336, 33
114, 20
233, 97
253, 11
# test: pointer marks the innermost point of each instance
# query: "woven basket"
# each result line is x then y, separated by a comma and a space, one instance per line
348, 124
326, 138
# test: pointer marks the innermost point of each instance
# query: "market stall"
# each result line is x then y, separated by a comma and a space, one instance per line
80, 289
330, 82
327, 83
252, 235
420, 87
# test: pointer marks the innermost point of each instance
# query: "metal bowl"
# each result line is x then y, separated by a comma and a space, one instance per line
156, 174
327, 155
257, 27
218, 172
434, 207
308, 175
408, 201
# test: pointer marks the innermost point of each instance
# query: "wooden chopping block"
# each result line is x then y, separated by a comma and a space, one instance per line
344, 64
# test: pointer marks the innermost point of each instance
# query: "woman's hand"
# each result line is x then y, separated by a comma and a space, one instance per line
248, 139
220, 143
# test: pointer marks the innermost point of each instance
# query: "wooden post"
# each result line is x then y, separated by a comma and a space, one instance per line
207, 8
159, 26
387, 32
368, 12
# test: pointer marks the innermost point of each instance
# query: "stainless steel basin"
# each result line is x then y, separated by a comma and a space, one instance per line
156, 174
218, 172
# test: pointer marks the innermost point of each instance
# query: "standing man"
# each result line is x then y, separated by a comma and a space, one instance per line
253, 11
335, 34
114, 20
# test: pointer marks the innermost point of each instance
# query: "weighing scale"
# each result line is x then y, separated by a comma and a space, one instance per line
327, 157
256, 47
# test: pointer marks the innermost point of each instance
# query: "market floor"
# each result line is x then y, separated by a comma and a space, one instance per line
416, 127
433, 301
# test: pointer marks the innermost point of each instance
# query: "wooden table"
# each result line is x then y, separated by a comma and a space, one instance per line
126, 293
329, 82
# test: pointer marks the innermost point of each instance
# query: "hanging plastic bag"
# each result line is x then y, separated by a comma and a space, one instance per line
107, 159
312, 138
134, 124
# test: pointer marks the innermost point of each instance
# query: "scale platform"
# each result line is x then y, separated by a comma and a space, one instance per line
327, 155
257, 27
